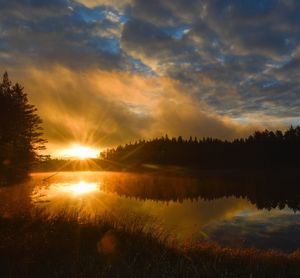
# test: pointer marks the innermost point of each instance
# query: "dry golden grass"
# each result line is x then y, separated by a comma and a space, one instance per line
110, 247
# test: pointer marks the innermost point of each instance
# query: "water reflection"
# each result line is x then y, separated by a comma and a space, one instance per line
265, 190
188, 208
183, 219
74, 189
280, 230
78, 198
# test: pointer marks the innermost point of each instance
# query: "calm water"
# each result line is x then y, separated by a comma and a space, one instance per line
232, 212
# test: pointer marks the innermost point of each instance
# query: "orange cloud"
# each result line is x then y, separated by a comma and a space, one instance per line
114, 3
105, 108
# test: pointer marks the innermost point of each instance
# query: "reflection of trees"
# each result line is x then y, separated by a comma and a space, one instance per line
265, 190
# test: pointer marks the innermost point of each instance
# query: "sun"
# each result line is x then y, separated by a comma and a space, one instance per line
79, 152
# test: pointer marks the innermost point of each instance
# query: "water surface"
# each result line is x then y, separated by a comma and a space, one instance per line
232, 213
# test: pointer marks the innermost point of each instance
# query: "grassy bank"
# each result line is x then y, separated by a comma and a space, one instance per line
41, 247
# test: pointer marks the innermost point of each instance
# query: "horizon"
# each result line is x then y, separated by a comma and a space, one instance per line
77, 152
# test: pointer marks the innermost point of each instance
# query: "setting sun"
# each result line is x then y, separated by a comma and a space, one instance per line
79, 152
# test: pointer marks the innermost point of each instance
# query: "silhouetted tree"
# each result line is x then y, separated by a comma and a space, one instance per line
20, 132
263, 149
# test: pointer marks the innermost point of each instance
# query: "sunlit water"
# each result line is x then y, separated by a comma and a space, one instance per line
172, 203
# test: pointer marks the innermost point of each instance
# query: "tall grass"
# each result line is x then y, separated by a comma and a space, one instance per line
60, 246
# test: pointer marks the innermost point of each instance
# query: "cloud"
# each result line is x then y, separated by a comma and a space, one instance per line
262, 27
114, 3
75, 109
214, 66
104, 108
75, 35
235, 57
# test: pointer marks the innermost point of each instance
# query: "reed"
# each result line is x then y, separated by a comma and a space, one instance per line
60, 246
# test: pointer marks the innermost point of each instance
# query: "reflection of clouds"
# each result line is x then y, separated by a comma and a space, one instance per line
276, 230
186, 219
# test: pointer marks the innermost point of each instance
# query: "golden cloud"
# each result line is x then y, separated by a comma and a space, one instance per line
105, 108
114, 3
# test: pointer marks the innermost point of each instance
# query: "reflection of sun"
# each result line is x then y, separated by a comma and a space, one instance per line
79, 188
79, 152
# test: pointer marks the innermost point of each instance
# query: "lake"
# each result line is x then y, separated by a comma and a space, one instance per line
233, 210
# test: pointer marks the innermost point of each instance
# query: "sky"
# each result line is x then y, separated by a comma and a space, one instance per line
107, 72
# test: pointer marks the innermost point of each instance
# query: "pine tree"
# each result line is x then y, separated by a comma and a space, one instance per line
20, 132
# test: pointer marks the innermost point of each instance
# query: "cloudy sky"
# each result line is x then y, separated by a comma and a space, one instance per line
105, 72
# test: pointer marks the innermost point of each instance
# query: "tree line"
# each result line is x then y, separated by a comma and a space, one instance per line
259, 150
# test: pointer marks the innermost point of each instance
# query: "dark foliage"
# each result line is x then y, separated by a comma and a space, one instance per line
260, 150
36, 247
20, 132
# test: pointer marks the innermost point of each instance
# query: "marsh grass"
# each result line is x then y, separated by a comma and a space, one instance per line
110, 246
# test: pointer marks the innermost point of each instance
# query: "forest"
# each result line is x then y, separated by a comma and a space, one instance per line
262, 149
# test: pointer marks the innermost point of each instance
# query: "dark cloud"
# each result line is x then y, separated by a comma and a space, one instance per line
148, 41
266, 26
62, 32
231, 43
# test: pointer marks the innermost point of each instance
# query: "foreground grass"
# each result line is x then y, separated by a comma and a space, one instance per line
56, 247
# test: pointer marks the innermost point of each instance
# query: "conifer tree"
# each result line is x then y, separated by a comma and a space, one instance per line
20, 132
